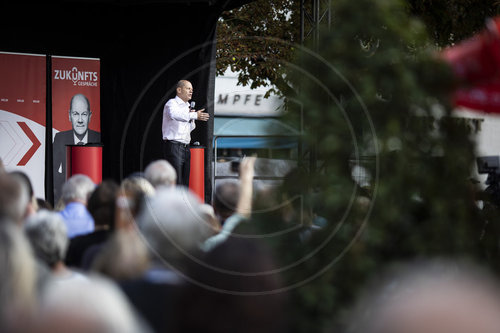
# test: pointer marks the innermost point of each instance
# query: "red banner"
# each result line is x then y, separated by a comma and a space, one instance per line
75, 109
485, 97
22, 116
476, 64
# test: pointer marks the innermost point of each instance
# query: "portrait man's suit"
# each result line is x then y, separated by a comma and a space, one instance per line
62, 139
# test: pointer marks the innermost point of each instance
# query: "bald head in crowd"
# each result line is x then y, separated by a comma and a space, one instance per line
435, 297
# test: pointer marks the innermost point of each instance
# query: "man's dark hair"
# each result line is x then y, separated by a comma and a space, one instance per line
226, 199
101, 203
44, 204
13, 198
25, 179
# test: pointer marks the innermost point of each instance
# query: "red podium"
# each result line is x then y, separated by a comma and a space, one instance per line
84, 159
197, 171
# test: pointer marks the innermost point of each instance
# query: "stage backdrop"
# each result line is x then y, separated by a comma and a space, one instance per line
77, 78
22, 116
140, 63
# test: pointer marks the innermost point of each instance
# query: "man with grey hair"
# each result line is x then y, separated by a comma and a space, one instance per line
75, 193
160, 173
47, 233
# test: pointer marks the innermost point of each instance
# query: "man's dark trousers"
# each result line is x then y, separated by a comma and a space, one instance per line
179, 155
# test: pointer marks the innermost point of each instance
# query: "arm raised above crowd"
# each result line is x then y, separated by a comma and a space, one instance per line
244, 206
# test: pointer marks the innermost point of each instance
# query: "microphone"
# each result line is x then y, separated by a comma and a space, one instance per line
191, 105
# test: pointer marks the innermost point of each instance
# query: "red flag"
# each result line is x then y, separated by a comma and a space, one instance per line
485, 97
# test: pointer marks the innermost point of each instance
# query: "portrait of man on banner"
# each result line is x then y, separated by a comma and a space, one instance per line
79, 113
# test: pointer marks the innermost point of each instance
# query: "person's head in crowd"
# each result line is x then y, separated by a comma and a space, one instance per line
17, 274
226, 199
160, 173
296, 197
210, 218
26, 182
131, 196
172, 224
59, 205
136, 188
14, 198
2, 167
101, 204
48, 237
43, 204
77, 189
430, 297
94, 305
123, 257
237, 289
79, 115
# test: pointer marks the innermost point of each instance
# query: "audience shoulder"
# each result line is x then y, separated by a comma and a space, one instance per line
92, 305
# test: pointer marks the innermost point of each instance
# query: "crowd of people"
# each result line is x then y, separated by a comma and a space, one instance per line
146, 255
126, 257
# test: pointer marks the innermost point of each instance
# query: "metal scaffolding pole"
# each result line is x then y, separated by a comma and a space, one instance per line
313, 15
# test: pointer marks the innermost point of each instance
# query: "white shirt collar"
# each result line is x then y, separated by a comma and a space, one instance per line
84, 140
180, 101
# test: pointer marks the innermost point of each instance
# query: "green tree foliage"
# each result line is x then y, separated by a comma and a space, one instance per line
373, 94
256, 39
451, 21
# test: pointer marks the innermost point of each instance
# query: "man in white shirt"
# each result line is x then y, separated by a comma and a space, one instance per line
178, 122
